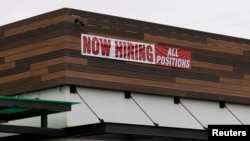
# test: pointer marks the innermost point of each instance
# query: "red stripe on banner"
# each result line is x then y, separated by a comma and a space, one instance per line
173, 57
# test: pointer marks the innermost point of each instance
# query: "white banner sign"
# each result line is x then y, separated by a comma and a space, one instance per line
110, 48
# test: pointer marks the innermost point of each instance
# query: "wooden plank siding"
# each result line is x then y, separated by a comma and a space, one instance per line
44, 51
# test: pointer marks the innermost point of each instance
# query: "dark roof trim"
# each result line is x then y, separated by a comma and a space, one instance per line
105, 131
130, 129
31, 130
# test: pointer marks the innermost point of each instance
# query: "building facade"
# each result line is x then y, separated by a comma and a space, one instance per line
42, 58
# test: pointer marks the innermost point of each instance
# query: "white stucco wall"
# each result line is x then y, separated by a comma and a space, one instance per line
113, 107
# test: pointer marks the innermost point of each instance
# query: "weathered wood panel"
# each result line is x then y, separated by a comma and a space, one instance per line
44, 51
192, 44
228, 44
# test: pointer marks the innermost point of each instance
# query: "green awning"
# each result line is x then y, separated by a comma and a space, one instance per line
12, 108
8, 111
36, 100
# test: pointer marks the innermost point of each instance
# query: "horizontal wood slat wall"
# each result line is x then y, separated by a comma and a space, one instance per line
44, 51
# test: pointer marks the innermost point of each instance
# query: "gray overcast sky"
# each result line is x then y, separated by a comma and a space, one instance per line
227, 17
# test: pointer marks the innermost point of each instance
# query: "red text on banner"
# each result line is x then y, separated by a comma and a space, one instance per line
117, 49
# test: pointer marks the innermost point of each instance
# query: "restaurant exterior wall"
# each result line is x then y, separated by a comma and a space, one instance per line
45, 51
113, 107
